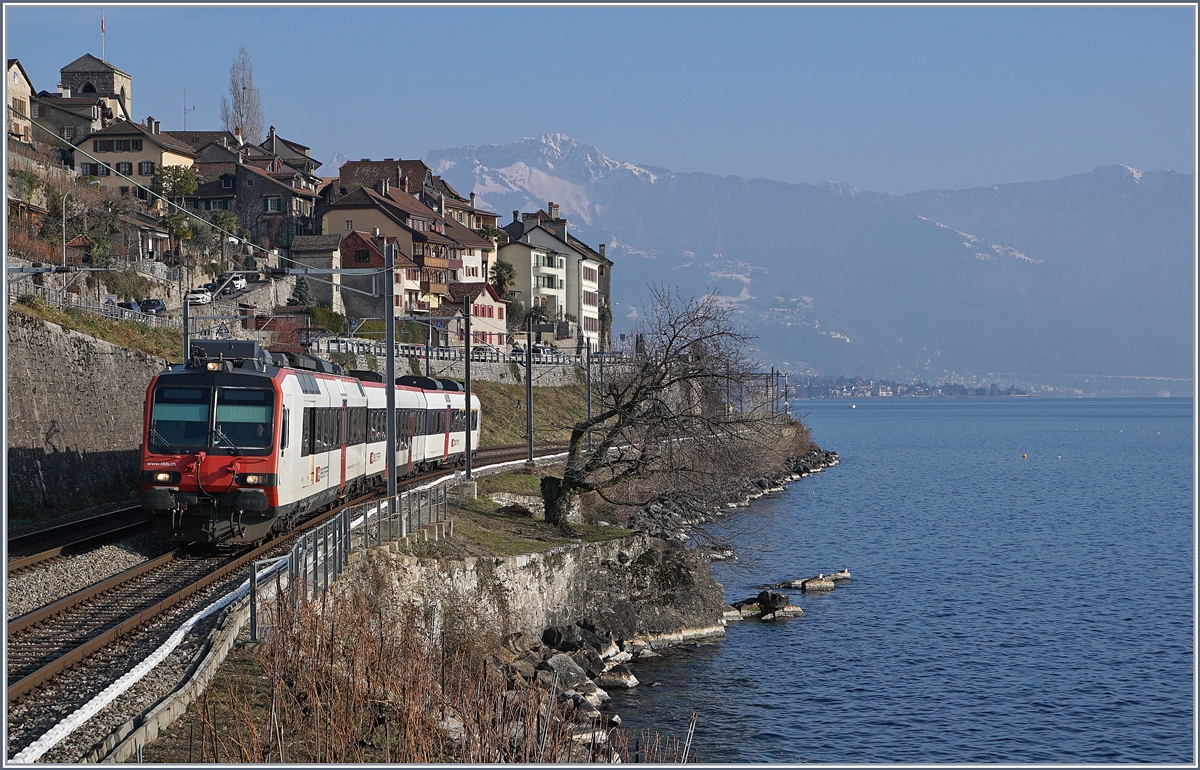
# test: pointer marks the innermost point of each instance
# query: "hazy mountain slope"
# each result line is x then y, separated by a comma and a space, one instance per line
1086, 274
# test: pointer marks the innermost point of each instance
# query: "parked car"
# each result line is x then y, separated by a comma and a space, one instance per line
199, 296
130, 305
231, 282
487, 352
212, 287
153, 306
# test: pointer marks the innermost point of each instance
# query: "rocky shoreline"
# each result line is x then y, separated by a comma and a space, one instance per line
586, 659
675, 520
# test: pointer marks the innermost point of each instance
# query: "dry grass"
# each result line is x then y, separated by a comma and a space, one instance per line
164, 343
359, 677
555, 410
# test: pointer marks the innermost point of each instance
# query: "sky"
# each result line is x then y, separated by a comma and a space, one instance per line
891, 99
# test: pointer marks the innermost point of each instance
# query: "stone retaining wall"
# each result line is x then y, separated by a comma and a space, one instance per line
74, 416
544, 375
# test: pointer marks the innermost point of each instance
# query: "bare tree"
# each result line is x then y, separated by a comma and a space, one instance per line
676, 416
241, 110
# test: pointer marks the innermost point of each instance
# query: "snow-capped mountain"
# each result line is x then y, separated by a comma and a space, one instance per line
1091, 273
330, 168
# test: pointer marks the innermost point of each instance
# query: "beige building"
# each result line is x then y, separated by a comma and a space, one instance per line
126, 155
20, 94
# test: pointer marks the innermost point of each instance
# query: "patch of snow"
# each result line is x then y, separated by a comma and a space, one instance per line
1137, 175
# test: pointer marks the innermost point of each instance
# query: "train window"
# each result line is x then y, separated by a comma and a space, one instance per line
179, 419
308, 383
283, 431
244, 419
306, 432
474, 419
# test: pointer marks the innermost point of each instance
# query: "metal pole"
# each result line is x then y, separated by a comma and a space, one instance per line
467, 378
389, 314
529, 385
187, 337
325, 559
589, 396
254, 601
64, 234
428, 344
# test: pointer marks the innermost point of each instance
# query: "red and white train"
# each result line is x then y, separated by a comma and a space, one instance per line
239, 443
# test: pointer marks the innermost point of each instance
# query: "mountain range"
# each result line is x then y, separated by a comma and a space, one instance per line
1092, 273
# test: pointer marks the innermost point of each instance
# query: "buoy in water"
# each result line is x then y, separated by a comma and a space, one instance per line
1024, 456
853, 406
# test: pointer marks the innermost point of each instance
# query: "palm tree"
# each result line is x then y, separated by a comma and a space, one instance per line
504, 275
538, 314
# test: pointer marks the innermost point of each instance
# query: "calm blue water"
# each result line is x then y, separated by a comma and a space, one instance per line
1001, 609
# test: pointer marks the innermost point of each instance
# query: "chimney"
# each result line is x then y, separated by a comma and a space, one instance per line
374, 232
472, 201
552, 207
237, 134
272, 138
64, 90
441, 204
381, 187
157, 127
149, 123
405, 184
602, 249
516, 216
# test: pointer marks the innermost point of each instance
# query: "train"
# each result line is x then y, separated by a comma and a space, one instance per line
240, 443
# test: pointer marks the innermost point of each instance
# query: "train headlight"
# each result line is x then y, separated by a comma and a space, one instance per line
213, 366
254, 479
160, 477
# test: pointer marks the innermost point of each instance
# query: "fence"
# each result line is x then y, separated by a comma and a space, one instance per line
487, 354
320, 555
65, 300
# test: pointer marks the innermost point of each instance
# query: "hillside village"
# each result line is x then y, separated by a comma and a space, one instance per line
162, 211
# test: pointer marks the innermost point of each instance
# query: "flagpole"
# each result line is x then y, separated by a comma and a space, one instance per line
102, 38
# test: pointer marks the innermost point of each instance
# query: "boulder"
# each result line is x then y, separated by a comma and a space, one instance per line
565, 638
590, 661
570, 674
619, 676
769, 601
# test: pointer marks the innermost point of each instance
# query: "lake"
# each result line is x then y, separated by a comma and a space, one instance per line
1002, 608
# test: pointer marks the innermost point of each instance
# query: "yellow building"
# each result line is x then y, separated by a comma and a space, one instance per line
128, 151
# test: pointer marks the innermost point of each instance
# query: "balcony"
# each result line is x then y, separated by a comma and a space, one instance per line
416, 307
429, 287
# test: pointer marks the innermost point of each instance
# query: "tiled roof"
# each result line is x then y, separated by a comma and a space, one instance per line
126, 128
465, 236
279, 182
316, 242
588, 250
89, 63
211, 172
200, 138
459, 291
365, 173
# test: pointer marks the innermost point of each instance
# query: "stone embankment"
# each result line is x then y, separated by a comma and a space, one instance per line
63, 451
674, 520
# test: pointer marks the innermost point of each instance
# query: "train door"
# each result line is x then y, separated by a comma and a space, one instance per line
409, 430
447, 426
342, 436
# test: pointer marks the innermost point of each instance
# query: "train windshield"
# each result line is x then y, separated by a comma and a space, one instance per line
179, 419
244, 418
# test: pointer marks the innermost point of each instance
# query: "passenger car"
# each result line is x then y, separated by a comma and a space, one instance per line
199, 296
153, 306
130, 305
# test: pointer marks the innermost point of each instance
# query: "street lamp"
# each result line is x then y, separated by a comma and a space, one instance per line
64, 217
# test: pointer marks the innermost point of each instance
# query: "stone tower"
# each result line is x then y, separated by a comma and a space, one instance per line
89, 75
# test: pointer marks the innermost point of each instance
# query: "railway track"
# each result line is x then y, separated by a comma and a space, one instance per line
52, 639
73, 537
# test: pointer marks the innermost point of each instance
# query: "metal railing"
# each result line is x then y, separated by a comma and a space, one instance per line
69, 301
320, 556
484, 353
